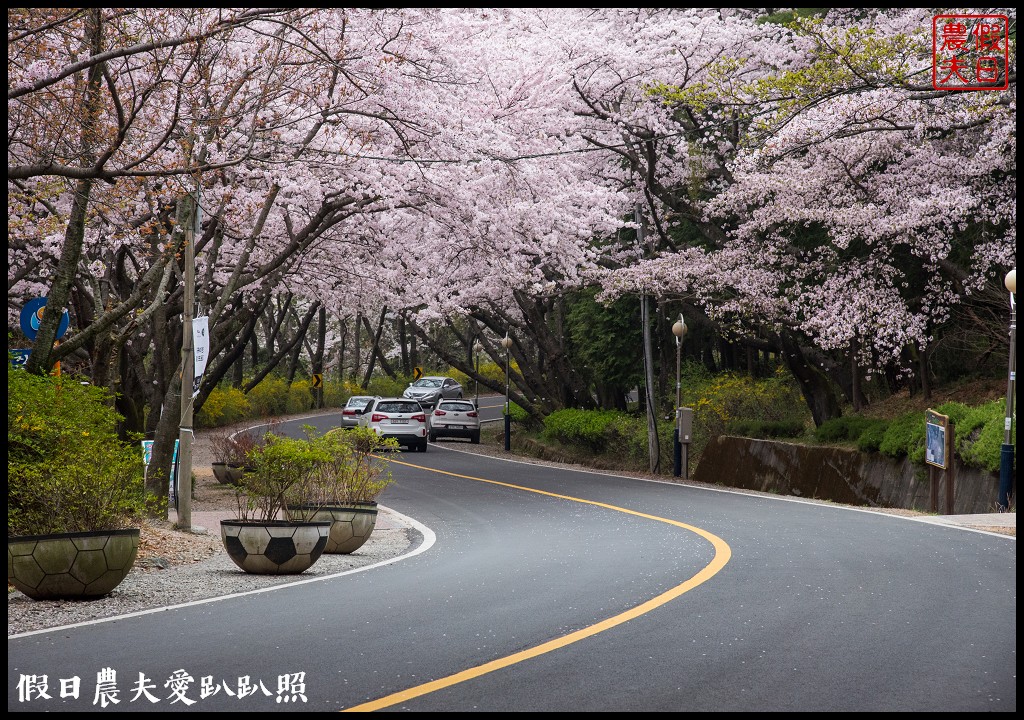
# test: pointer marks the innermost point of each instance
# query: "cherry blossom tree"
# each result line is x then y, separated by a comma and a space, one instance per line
453, 175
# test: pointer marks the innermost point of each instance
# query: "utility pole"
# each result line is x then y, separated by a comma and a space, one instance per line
183, 488
645, 321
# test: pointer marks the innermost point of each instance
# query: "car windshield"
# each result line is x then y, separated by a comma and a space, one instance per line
427, 383
357, 402
398, 407
457, 407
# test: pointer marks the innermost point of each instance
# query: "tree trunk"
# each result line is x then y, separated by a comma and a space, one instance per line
375, 351
74, 235
285, 349
814, 385
343, 325
318, 357
356, 349
652, 423
403, 342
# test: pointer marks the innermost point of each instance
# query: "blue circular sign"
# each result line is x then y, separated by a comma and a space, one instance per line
32, 315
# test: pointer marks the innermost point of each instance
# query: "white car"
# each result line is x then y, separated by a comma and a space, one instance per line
399, 418
354, 408
455, 418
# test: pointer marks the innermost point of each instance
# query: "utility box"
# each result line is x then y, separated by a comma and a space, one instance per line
684, 421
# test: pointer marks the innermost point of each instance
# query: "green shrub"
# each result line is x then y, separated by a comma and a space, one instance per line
386, 387
269, 397
300, 397
609, 433
851, 428
845, 428
335, 394
588, 428
718, 400
67, 470
870, 440
956, 412
905, 437
226, 405
980, 434
977, 432
766, 428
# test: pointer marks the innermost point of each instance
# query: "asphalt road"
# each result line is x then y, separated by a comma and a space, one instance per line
544, 589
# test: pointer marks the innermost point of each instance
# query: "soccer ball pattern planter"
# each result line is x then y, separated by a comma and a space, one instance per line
71, 566
351, 525
228, 473
277, 547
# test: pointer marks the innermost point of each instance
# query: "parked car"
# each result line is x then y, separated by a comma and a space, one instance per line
354, 408
400, 418
455, 418
428, 390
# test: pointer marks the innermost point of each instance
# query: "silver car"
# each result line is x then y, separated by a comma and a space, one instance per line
428, 390
455, 418
354, 408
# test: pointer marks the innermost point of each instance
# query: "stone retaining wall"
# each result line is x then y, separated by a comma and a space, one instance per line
844, 476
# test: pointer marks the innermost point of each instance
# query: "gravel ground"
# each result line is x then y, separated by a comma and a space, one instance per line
175, 567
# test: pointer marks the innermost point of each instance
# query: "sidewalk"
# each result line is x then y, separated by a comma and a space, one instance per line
981, 521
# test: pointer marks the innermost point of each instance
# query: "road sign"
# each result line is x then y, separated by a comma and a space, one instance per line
417, 373
19, 356
317, 381
936, 427
32, 315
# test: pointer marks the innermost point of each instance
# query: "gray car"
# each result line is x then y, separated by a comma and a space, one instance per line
354, 408
427, 391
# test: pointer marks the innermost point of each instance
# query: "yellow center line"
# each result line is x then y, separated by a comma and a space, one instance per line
722, 556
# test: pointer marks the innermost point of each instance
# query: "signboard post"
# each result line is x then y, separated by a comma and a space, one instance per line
938, 455
147, 457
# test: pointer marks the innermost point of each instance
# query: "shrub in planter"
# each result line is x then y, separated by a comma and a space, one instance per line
67, 469
346, 484
264, 539
75, 491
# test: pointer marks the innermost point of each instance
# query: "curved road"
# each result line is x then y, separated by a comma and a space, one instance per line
540, 588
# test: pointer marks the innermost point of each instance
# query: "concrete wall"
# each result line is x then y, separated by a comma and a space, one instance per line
843, 476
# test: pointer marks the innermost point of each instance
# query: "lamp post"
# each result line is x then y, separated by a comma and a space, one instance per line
506, 342
477, 349
679, 330
1006, 457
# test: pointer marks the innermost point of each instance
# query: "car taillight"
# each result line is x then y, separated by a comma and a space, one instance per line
348, 412
420, 418
376, 417
440, 412
472, 413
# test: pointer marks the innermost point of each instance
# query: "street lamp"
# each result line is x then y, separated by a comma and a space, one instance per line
679, 330
506, 342
1006, 457
477, 349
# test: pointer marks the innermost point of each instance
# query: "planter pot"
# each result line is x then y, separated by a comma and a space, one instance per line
71, 566
276, 547
228, 473
351, 523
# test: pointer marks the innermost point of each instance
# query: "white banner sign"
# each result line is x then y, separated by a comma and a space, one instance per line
200, 349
